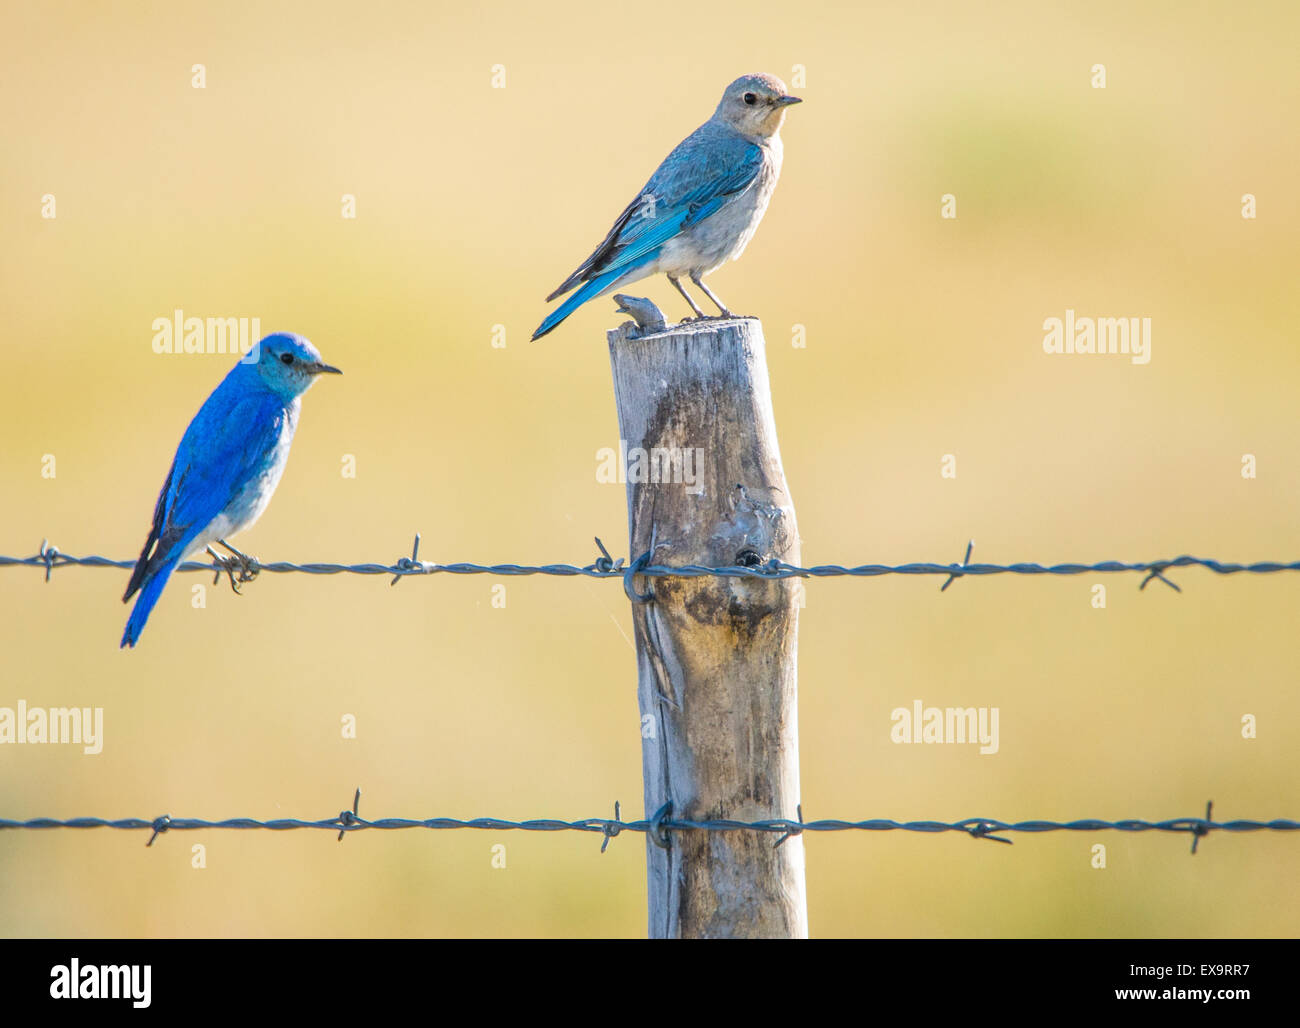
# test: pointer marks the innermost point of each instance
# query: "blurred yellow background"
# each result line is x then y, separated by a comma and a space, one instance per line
924, 338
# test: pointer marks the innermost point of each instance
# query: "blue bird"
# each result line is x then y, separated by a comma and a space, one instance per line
227, 466
699, 208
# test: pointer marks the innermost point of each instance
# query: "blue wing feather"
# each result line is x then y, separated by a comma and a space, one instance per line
705, 172
592, 289
693, 183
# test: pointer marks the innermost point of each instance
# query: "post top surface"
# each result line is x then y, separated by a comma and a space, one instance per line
629, 331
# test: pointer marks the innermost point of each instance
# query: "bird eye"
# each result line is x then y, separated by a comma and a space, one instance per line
286, 358
750, 99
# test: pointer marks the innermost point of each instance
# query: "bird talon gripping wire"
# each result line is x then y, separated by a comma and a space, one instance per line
247, 567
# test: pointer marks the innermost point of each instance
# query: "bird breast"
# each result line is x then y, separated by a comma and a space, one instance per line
252, 499
724, 236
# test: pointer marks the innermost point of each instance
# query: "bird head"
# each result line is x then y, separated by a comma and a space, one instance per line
754, 105
288, 364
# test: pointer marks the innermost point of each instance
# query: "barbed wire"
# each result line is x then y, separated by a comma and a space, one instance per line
604, 566
662, 823
51, 558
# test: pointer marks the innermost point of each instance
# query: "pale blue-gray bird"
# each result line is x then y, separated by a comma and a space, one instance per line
699, 208
227, 466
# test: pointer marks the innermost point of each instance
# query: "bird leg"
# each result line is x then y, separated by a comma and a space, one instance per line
698, 313
699, 281
246, 565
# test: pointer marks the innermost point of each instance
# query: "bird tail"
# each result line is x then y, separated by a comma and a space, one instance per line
144, 603
592, 289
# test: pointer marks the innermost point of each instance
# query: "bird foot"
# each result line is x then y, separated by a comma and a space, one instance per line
246, 566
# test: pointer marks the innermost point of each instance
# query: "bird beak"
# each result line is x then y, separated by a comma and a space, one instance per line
786, 101
324, 369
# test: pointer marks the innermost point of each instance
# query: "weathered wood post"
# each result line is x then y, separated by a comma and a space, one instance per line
716, 677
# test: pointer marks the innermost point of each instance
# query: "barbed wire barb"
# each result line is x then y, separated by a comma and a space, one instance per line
159, 825
48, 553
794, 829
1197, 830
348, 818
611, 828
958, 574
411, 564
1157, 571
982, 830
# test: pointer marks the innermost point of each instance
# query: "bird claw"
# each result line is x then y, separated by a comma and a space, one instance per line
247, 567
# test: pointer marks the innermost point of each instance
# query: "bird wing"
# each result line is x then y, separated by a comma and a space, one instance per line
706, 171
229, 442
155, 541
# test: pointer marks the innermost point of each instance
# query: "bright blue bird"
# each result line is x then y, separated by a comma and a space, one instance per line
228, 464
699, 209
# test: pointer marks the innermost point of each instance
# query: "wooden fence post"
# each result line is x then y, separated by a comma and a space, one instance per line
716, 667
